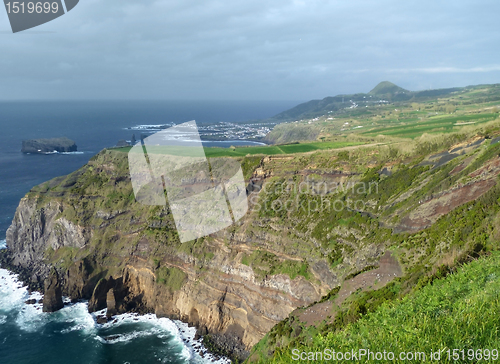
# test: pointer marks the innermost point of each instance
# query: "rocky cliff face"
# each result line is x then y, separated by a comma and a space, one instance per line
52, 301
126, 257
221, 297
235, 285
35, 230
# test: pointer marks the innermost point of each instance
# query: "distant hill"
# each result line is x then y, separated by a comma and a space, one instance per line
384, 92
388, 88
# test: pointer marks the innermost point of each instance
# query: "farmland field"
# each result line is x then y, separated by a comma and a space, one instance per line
439, 123
268, 149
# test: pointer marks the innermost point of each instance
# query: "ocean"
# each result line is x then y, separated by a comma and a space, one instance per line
72, 335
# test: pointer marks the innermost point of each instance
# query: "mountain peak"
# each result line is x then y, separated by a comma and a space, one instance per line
386, 87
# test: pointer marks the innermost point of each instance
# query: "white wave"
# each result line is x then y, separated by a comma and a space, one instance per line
77, 314
13, 297
64, 153
12, 292
30, 318
187, 334
150, 126
3, 244
121, 338
177, 331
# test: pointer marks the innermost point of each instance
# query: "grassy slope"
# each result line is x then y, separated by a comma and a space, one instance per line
457, 312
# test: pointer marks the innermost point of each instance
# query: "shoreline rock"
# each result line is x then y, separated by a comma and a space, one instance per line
52, 300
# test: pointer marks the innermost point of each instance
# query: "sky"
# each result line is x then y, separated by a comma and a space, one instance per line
249, 50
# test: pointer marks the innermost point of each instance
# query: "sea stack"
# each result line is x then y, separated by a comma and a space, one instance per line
45, 146
52, 301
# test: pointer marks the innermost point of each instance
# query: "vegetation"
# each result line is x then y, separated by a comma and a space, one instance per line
173, 277
428, 255
423, 186
213, 152
265, 263
283, 133
393, 103
457, 312
390, 111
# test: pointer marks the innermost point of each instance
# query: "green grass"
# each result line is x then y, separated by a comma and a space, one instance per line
309, 147
262, 150
277, 149
171, 277
457, 312
435, 124
264, 263
242, 151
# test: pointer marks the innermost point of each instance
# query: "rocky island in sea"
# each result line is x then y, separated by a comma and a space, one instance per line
46, 146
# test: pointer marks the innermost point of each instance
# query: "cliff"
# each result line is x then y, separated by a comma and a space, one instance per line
44, 146
336, 224
90, 229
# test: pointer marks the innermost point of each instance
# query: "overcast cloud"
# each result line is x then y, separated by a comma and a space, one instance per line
291, 50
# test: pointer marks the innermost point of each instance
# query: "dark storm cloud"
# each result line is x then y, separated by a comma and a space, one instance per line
249, 49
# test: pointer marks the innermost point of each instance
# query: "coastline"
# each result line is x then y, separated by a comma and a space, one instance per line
208, 344
27, 300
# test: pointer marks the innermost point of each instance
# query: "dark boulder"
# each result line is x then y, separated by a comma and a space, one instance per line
52, 300
102, 320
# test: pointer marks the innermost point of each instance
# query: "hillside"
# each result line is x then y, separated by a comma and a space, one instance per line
335, 230
386, 88
459, 311
387, 96
390, 111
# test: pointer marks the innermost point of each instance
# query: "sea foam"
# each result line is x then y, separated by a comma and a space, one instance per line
30, 318
176, 331
12, 302
150, 127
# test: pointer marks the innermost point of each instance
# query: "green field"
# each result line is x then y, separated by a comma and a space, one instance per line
309, 147
435, 124
267, 149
